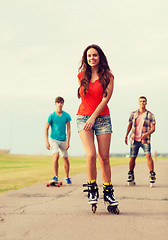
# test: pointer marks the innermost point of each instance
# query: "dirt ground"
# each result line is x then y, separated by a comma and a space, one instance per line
38, 212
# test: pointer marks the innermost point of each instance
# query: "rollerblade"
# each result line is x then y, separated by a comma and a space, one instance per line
93, 194
130, 179
109, 200
152, 178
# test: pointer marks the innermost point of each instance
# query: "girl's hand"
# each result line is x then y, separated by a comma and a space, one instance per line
89, 124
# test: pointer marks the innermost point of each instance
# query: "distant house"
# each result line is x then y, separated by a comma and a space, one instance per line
4, 151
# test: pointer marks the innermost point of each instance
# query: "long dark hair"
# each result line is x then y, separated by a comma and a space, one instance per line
103, 72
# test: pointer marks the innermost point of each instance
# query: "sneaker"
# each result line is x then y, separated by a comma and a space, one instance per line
68, 180
55, 179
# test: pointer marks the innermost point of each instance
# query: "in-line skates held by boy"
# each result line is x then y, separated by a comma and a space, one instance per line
93, 195
142, 125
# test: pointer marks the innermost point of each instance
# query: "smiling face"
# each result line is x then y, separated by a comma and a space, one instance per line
93, 57
142, 103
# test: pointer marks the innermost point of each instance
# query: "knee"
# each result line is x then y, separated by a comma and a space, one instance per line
91, 158
132, 159
104, 159
149, 157
55, 157
66, 160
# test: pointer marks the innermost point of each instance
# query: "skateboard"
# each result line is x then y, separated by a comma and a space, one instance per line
54, 184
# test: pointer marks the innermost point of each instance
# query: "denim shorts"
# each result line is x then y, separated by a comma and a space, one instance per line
101, 126
134, 148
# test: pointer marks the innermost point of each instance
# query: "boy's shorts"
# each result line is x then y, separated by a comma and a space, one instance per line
101, 126
134, 148
58, 145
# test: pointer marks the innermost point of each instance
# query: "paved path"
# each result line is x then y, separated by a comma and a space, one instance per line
37, 212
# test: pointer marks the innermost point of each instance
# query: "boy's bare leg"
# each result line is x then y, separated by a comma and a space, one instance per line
132, 163
66, 166
150, 162
55, 163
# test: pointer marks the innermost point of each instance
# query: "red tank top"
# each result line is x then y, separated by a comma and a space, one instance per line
92, 99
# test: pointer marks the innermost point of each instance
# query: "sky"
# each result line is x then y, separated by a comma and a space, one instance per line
41, 45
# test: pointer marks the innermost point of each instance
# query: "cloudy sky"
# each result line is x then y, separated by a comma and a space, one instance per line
41, 45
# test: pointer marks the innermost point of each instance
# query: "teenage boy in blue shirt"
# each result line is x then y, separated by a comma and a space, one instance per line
59, 121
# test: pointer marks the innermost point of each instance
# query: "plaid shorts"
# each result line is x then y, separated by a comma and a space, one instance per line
134, 148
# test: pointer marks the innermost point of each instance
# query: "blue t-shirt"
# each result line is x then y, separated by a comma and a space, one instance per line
58, 125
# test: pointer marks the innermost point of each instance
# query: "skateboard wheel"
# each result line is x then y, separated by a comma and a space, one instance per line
60, 183
47, 185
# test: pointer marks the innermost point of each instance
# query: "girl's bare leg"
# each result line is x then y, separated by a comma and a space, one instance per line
87, 138
103, 154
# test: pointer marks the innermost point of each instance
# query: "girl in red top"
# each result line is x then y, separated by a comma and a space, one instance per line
96, 84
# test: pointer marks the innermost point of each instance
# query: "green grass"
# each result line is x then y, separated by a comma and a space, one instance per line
18, 171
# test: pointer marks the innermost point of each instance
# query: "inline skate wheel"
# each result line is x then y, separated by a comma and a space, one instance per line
94, 208
113, 210
131, 183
